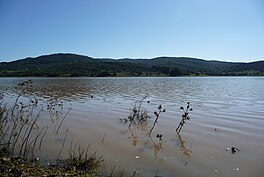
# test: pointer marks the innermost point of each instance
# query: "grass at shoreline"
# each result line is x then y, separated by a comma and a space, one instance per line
19, 167
21, 138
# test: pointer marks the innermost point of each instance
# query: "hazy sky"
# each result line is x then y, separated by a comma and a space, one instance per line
227, 30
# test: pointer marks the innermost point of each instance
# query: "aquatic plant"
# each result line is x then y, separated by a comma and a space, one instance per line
138, 114
81, 162
157, 114
20, 134
19, 131
185, 116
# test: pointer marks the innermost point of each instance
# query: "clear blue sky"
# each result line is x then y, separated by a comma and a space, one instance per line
227, 30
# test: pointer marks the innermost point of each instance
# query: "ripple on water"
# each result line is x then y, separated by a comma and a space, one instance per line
228, 111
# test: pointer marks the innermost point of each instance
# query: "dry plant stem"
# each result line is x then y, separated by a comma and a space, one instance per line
17, 137
27, 135
3, 130
17, 121
3, 136
13, 118
41, 139
20, 135
13, 108
62, 120
62, 146
34, 142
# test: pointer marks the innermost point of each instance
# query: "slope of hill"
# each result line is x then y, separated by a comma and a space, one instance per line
78, 65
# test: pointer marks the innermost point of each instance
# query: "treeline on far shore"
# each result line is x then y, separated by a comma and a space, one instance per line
71, 65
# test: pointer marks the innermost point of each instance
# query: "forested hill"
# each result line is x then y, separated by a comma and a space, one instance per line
77, 65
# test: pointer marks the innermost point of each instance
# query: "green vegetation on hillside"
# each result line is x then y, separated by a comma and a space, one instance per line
71, 65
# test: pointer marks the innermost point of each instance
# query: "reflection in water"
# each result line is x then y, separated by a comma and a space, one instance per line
145, 132
187, 152
142, 127
133, 136
157, 148
149, 142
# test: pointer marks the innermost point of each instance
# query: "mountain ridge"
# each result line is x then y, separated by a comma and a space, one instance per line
68, 64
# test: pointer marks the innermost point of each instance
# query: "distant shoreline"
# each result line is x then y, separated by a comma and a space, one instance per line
72, 65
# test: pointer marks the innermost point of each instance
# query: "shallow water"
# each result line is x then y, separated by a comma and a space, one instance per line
228, 111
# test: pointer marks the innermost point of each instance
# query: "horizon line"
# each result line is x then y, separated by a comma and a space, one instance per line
133, 58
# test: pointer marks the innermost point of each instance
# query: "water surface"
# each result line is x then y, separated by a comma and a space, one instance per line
228, 111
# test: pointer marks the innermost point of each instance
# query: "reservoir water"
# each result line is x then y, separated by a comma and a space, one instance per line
227, 112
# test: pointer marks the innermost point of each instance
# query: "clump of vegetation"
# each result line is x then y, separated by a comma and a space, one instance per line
21, 137
80, 162
138, 114
185, 116
19, 131
21, 167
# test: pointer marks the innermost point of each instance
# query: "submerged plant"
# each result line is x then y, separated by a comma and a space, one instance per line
138, 114
185, 116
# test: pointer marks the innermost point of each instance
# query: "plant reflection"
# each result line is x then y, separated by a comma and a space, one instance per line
149, 143
133, 136
157, 148
143, 128
187, 152
138, 121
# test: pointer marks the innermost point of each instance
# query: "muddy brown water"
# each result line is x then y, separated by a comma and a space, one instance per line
227, 112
